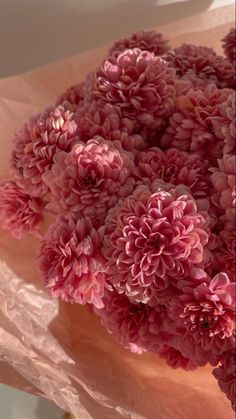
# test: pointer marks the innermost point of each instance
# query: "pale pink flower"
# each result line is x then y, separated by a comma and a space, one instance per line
175, 359
226, 376
204, 318
106, 120
176, 167
141, 84
191, 125
36, 144
138, 327
224, 124
70, 261
151, 41
224, 181
151, 238
91, 178
202, 61
19, 212
229, 45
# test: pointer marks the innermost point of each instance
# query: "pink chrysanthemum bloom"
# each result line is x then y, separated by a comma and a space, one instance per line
176, 167
150, 237
107, 121
224, 124
19, 212
151, 41
191, 127
226, 376
91, 178
76, 95
141, 84
202, 61
36, 144
225, 253
175, 359
70, 261
229, 45
204, 317
138, 327
224, 181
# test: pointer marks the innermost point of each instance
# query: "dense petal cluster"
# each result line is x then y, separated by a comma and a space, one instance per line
36, 144
70, 261
19, 212
229, 45
107, 121
138, 327
204, 316
175, 359
151, 236
176, 167
140, 83
151, 41
90, 179
226, 375
224, 124
192, 127
224, 182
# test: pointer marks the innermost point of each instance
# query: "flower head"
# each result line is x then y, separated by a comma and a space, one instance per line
175, 359
36, 144
224, 124
70, 261
19, 212
226, 375
90, 179
229, 45
151, 41
150, 237
140, 83
136, 326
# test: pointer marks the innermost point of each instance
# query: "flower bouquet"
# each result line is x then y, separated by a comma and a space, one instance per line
128, 182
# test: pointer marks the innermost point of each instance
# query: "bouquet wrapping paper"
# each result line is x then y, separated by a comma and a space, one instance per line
60, 351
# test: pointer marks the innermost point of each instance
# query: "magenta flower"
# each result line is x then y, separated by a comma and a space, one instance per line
204, 317
176, 167
19, 212
141, 84
175, 359
223, 180
151, 237
107, 121
151, 41
138, 327
203, 62
224, 124
225, 375
191, 127
90, 179
70, 261
229, 45
36, 144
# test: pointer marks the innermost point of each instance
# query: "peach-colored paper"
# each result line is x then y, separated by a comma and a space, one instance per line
60, 351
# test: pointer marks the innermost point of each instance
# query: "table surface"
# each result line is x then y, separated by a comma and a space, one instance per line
37, 32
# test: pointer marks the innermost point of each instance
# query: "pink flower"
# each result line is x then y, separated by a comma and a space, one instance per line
144, 40
176, 167
191, 127
107, 121
70, 261
225, 255
136, 326
204, 317
202, 61
225, 375
19, 212
229, 45
175, 359
223, 180
36, 144
141, 84
150, 237
90, 179
224, 124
